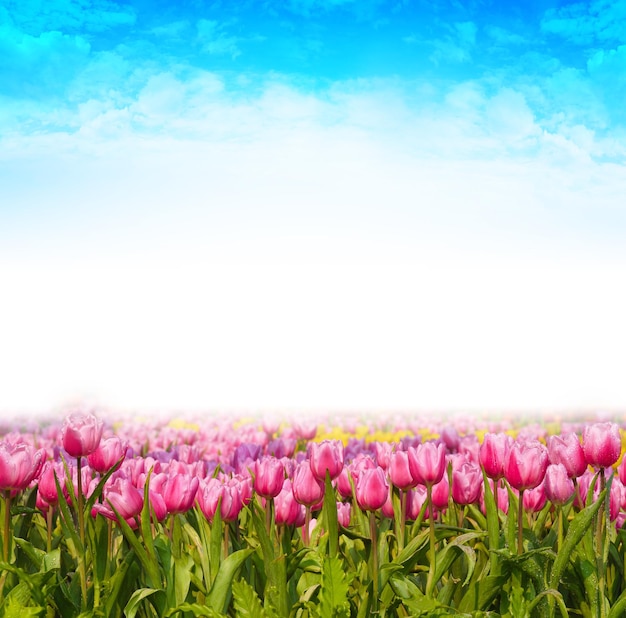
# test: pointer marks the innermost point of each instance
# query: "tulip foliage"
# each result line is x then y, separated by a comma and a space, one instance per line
274, 520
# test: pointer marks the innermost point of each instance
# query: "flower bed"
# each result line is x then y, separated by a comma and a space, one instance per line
267, 519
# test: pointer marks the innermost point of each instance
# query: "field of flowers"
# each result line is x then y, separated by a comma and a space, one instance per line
269, 519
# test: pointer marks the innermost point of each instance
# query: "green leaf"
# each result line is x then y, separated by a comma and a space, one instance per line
149, 564
275, 566
119, 581
329, 515
452, 551
619, 607
334, 589
480, 594
138, 597
493, 524
200, 611
575, 532
182, 576
246, 601
218, 596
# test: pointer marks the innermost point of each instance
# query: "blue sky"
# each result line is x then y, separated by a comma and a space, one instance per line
313, 204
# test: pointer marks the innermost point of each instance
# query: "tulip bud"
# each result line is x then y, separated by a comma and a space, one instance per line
20, 464
108, 453
269, 477
307, 488
526, 464
467, 483
326, 456
558, 484
81, 434
399, 471
427, 462
602, 444
567, 450
371, 489
493, 452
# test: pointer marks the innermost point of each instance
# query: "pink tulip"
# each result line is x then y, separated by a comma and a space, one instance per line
20, 464
352, 471
326, 456
288, 511
81, 434
124, 497
450, 437
305, 430
47, 487
493, 452
441, 493
383, 452
108, 453
567, 450
371, 489
415, 499
467, 483
534, 499
307, 488
399, 471
525, 465
558, 484
214, 494
427, 462
602, 444
157, 505
179, 492
269, 475
343, 513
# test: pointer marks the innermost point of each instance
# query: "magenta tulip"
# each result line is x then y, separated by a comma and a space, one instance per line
493, 452
602, 444
307, 488
525, 465
81, 434
326, 457
558, 484
427, 462
371, 489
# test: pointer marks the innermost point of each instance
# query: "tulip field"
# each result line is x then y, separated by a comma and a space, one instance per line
260, 518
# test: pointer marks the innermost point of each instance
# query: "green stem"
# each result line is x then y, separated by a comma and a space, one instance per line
403, 499
226, 540
559, 538
307, 523
601, 526
520, 523
80, 501
374, 560
432, 552
268, 515
49, 515
7, 525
